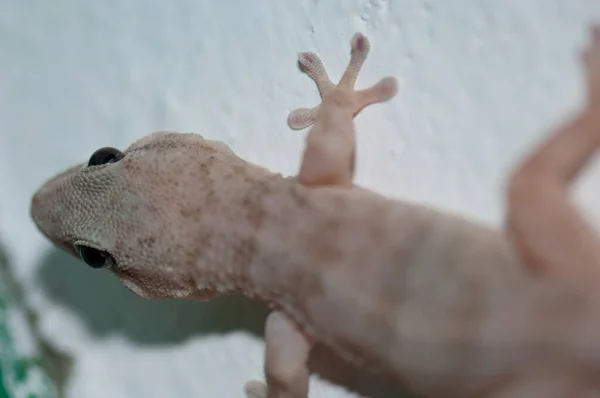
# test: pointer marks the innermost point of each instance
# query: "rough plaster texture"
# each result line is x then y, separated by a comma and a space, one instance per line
481, 81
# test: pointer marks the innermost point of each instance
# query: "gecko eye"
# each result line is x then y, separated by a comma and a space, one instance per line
105, 155
95, 258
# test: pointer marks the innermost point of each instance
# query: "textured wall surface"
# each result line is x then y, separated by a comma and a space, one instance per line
481, 81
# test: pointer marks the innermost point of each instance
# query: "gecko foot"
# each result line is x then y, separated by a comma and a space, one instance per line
356, 100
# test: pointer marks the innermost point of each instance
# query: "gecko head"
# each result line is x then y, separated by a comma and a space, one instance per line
133, 212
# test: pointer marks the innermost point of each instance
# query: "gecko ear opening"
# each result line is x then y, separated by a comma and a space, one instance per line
94, 258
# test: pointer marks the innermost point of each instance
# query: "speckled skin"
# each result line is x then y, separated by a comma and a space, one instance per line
442, 305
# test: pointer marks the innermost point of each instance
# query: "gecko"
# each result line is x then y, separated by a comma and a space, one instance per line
443, 305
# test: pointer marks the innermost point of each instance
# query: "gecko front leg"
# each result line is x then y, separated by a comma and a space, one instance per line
328, 159
287, 351
329, 154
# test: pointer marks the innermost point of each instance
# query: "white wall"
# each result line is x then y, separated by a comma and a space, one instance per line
480, 82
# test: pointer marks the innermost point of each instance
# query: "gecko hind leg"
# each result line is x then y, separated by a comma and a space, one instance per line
330, 151
286, 357
550, 234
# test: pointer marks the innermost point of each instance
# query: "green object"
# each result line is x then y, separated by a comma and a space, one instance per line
21, 373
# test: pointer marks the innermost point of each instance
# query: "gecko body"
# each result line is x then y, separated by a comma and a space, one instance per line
443, 305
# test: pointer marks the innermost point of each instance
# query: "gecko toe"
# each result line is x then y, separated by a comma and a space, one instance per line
387, 88
360, 44
310, 61
301, 118
256, 389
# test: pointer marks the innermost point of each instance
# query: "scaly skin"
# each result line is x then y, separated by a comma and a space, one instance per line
444, 306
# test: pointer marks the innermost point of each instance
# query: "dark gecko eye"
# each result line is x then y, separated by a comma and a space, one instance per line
95, 258
105, 155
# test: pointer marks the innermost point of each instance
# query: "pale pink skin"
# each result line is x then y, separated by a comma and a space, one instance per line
443, 306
